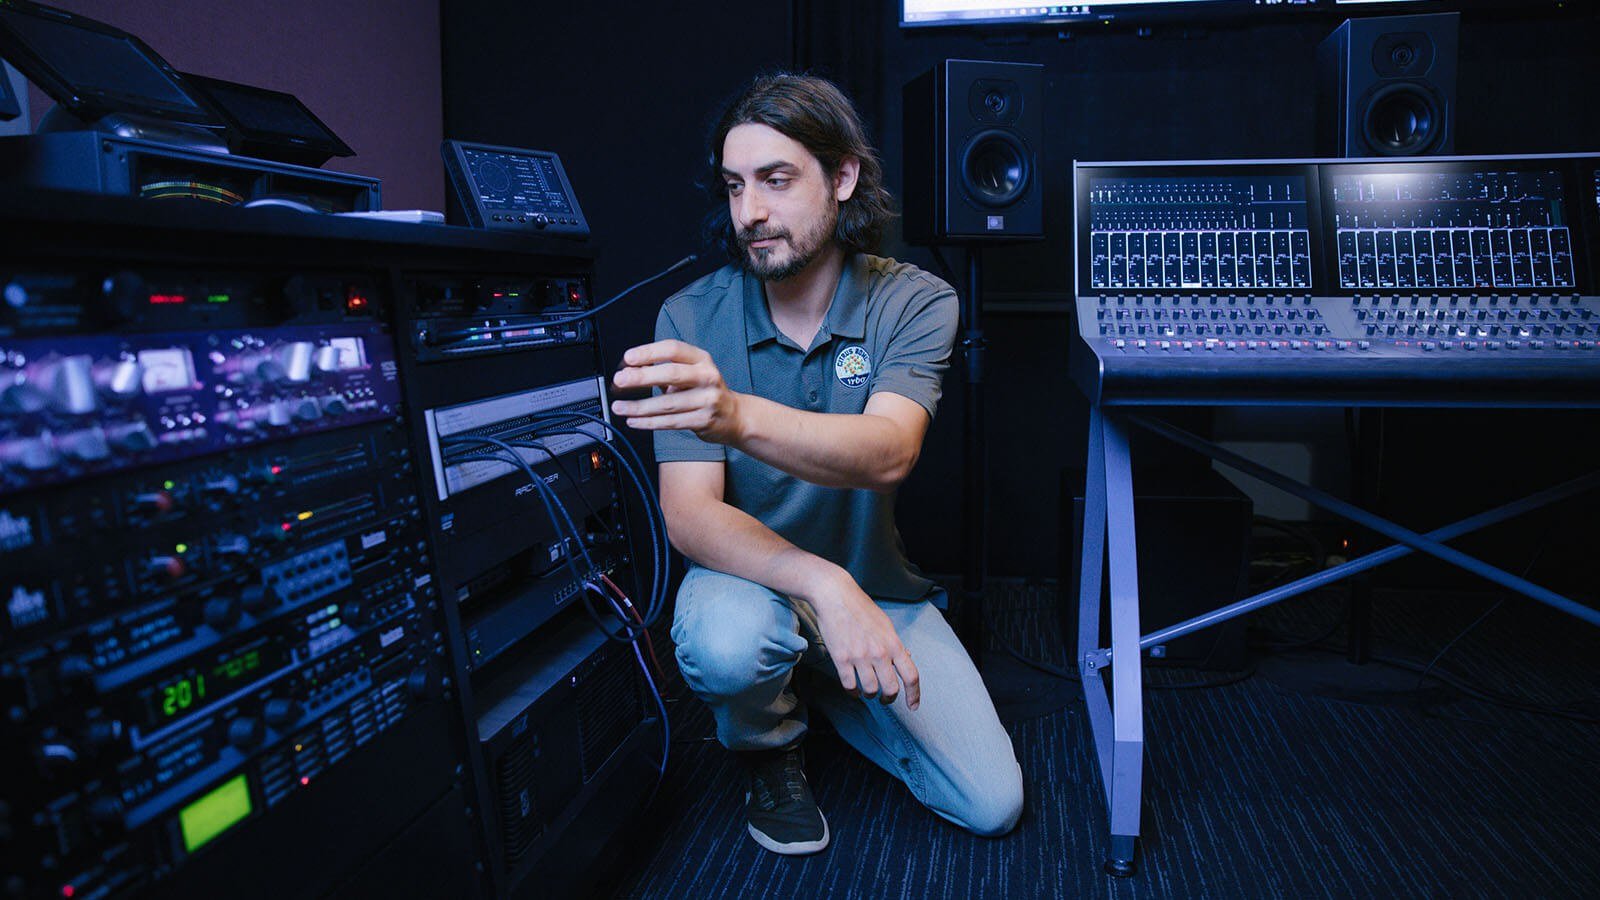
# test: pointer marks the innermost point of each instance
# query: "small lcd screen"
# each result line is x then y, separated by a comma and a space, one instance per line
1199, 231
93, 62
167, 369
192, 690
520, 182
268, 111
216, 812
1421, 227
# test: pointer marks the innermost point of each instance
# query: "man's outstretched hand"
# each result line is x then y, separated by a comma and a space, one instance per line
863, 644
693, 397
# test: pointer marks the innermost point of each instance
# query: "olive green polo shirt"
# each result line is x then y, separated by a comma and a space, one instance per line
890, 327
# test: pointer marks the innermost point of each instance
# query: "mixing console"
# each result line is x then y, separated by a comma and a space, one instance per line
1259, 280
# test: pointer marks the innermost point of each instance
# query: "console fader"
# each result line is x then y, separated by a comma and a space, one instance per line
1366, 280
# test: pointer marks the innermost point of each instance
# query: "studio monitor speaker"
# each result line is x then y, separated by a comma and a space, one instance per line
974, 134
1388, 86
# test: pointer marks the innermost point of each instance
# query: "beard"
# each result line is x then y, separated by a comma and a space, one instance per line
773, 263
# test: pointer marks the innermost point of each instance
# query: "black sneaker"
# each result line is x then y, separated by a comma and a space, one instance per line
783, 816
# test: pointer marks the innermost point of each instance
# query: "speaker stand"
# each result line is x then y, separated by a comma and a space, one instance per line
974, 498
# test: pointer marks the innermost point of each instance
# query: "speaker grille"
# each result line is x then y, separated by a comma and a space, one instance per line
519, 820
609, 707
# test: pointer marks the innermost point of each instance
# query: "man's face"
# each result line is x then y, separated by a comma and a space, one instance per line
782, 204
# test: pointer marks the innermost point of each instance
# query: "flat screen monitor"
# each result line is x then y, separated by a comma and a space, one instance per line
92, 69
263, 120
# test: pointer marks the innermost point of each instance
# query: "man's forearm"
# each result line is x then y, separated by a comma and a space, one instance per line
721, 537
833, 450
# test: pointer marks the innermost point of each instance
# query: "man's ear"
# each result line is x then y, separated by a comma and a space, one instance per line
844, 182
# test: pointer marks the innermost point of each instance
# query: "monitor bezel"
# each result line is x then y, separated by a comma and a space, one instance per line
92, 104
330, 143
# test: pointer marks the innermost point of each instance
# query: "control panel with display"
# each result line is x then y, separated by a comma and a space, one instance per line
509, 189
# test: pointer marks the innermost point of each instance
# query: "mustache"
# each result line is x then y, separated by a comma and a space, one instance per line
748, 237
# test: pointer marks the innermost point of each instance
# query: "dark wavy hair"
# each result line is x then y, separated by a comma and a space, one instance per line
814, 112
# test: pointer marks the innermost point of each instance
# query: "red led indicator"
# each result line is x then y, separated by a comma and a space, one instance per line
305, 780
68, 890
277, 470
287, 526
167, 299
574, 294
355, 303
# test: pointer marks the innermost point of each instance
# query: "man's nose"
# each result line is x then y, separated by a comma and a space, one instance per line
751, 210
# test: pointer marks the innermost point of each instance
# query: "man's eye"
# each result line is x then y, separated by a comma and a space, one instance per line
734, 187
779, 182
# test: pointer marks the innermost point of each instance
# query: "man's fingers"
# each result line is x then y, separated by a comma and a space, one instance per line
689, 421
889, 685
669, 374
847, 677
664, 404
668, 351
910, 677
868, 679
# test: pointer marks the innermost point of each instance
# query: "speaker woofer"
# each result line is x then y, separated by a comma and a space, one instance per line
994, 168
1402, 120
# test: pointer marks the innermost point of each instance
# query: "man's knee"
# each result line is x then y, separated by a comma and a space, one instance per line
722, 663
739, 637
995, 804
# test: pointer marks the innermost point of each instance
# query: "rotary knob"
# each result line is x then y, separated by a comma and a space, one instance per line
118, 379
85, 444
422, 683
69, 382
156, 503
125, 292
295, 357
105, 811
31, 454
281, 712
102, 734
305, 409
257, 599
221, 612
335, 405
167, 567
132, 437
326, 359
246, 732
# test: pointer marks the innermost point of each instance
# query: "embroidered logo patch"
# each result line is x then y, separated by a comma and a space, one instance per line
853, 366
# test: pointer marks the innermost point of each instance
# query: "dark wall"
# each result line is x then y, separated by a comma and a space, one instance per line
369, 70
1527, 85
624, 91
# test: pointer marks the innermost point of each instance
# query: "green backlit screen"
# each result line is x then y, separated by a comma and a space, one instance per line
215, 813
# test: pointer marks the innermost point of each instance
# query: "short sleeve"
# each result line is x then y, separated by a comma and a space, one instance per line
681, 446
918, 353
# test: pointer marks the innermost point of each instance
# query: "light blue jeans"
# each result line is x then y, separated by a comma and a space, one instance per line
744, 649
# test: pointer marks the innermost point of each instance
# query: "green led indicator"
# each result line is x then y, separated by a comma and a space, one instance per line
217, 298
182, 548
214, 813
169, 485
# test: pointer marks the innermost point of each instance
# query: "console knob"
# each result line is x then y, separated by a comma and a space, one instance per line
134, 437
295, 357
281, 712
21, 397
227, 485
74, 668
245, 732
85, 444
306, 409
326, 359
335, 405
33, 454
125, 291
105, 811
157, 502
70, 383
120, 379
421, 683
257, 598
221, 612
277, 414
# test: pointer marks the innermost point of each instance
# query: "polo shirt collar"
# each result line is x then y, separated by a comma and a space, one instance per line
847, 311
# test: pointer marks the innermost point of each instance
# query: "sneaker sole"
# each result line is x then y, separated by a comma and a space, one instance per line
795, 848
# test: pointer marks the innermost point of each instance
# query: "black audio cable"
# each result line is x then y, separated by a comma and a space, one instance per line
655, 689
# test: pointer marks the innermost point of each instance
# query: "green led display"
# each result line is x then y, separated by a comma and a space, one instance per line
216, 812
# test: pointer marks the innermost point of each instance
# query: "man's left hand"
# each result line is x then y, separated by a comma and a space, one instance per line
693, 398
